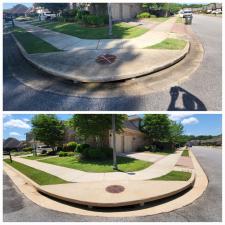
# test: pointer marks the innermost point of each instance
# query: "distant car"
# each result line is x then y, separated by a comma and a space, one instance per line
43, 149
217, 11
187, 13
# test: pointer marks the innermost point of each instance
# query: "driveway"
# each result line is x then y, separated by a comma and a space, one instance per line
208, 208
202, 89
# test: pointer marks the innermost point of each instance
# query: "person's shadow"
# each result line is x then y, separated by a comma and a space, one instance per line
190, 102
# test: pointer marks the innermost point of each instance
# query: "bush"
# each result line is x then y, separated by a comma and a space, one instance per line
28, 149
51, 153
97, 153
80, 147
94, 20
61, 19
62, 154
143, 15
70, 146
80, 14
70, 153
140, 149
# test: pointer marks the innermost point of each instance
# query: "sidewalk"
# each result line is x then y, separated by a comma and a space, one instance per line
159, 168
71, 43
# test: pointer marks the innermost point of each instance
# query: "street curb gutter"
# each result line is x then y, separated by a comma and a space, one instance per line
101, 79
198, 189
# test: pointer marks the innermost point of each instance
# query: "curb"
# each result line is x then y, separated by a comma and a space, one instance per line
101, 79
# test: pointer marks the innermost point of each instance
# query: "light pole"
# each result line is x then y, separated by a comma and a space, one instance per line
110, 18
114, 141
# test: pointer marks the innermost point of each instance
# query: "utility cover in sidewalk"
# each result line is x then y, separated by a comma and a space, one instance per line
115, 189
106, 59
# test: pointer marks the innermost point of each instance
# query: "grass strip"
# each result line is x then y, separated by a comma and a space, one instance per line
175, 176
31, 43
170, 44
125, 164
185, 153
38, 176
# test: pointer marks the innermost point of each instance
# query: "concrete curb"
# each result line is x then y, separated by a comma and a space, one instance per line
102, 79
198, 189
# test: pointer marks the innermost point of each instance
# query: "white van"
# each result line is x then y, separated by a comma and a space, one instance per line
43, 148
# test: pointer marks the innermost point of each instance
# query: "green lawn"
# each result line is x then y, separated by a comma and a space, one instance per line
185, 153
36, 157
31, 43
38, 176
170, 43
120, 30
20, 153
125, 164
175, 176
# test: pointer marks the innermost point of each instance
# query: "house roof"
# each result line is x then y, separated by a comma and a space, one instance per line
18, 9
11, 143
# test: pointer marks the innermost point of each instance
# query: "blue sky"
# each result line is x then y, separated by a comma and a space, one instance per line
17, 125
10, 5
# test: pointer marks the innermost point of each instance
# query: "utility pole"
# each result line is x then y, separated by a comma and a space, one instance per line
110, 18
114, 141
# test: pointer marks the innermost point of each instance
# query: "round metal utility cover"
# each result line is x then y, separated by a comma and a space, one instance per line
106, 59
115, 189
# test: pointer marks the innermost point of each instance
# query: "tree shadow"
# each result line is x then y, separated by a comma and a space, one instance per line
190, 102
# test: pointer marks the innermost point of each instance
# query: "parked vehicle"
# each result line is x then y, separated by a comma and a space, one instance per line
43, 149
185, 13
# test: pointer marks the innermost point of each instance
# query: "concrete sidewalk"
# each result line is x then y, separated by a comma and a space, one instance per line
68, 42
159, 168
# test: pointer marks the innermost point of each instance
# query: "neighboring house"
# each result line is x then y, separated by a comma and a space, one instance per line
11, 144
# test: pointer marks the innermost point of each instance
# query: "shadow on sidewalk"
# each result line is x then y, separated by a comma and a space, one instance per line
189, 101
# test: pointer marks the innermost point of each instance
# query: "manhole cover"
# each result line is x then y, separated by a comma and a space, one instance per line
115, 188
106, 59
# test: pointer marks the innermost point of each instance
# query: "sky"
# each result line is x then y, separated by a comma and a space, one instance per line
17, 125
10, 5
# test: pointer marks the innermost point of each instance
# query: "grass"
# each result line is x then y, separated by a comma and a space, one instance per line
175, 176
170, 43
125, 164
31, 43
38, 176
185, 153
20, 153
31, 157
120, 30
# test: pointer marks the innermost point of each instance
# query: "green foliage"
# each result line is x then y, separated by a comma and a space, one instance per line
143, 15
185, 153
96, 125
156, 126
48, 129
176, 130
81, 147
28, 149
94, 20
63, 154
70, 146
52, 7
175, 176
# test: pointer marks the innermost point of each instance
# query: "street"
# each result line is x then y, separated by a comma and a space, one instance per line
208, 208
203, 88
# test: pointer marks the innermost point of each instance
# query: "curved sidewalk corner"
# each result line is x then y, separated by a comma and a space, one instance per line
159, 168
70, 43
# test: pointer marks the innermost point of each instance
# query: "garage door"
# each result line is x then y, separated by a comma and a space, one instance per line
128, 144
119, 143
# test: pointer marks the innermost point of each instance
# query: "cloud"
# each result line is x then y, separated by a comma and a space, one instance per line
179, 116
189, 121
6, 115
14, 134
17, 123
26, 120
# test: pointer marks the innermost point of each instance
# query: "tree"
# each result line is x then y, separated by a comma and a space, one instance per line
53, 7
96, 125
48, 129
176, 130
156, 126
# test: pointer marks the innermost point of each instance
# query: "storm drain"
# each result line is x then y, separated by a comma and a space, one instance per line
115, 189
106, 59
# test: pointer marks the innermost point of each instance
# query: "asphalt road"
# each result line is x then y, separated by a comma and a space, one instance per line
205, 85
16, 207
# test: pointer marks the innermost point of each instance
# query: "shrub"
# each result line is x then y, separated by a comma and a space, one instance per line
80, 14
81, 147
61, 19
70, 146
62, 154
143, 15
97, 153
70, 153
140, 149
51, 153
94, 20
28, 149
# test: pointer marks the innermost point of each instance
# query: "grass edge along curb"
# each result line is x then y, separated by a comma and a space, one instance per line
170, 44
175, 176
37, 176
185, 153
31, 43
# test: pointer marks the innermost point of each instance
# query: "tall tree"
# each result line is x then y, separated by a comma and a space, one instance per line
53, 7
176, 131
96, 125
48, 129
156, 126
